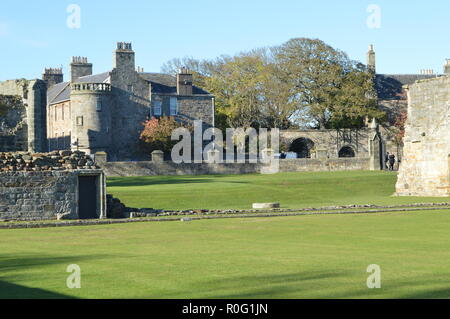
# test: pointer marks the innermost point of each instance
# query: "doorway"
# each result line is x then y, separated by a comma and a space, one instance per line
88, 194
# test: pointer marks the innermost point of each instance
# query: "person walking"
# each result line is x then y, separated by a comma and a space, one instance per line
391, 162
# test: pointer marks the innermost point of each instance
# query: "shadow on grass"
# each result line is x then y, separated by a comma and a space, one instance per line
14, 291
16, 264
262, 286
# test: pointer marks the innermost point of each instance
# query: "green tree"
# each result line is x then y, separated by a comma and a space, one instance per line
328, 87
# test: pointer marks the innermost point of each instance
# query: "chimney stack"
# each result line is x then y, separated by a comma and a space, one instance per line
123, 57
447, 67
184, 82
52, 76
371, 59
80, 67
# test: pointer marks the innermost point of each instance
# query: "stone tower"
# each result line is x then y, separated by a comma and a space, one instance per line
184, 82
53, 76
80, 67
91, 116
371, 59
447, 67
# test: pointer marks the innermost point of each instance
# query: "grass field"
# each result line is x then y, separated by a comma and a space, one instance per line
292, 190
282, 257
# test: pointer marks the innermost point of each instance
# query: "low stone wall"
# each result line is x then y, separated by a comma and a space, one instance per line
286, 165
320, 165
171, 168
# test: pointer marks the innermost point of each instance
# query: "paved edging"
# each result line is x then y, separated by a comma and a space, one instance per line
172, 219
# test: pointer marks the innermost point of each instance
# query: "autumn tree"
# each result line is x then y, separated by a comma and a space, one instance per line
157, 133
303, 82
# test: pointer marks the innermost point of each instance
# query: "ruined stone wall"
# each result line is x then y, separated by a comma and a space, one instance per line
33, 94
53, 161
13, 124
425, 167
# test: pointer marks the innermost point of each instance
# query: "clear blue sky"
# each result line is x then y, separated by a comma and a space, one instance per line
414, 35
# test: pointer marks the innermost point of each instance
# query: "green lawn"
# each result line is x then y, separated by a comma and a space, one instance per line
283, 257
321, 256
292, 190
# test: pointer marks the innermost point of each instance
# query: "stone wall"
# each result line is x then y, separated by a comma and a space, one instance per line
149, 168
323, 165
26, 195
33, 95
425, 167
13, 124
53, 161
331, 141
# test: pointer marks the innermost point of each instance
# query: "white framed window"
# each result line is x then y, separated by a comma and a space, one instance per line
99, 104
157, 108
173, 106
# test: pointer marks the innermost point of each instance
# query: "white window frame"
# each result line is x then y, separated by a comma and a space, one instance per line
173, 108
157, 108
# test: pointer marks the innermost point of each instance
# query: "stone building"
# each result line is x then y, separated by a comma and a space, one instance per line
96, 112
425, 170
392, 97
105, 112
56, 185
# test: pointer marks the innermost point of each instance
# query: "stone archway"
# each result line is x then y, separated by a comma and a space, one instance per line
302, 146
346, 152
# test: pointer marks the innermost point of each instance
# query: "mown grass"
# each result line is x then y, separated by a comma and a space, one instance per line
292, 190
281, 257
321, 256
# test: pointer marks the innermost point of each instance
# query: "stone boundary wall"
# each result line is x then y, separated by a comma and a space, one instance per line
43, 195
149, 168
323, 165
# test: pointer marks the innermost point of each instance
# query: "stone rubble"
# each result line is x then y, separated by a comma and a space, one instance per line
53, 161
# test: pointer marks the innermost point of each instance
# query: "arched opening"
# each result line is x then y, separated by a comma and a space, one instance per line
346, 151
302, 146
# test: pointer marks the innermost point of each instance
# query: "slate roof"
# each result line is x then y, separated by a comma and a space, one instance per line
161, 83
166, 84
389, 86
96, 78
61, 92
58, 93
